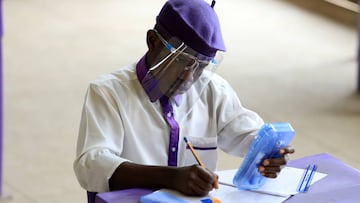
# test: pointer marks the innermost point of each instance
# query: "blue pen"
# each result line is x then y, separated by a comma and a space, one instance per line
303, 179
313, 169
307, 177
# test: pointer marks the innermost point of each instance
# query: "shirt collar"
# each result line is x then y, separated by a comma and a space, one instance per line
141, 70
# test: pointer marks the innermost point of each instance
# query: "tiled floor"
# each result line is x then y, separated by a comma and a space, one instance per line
291, 61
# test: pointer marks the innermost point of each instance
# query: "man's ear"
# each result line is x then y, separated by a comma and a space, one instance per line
152, 40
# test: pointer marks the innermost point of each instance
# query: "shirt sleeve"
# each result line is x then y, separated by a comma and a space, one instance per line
100, 140
237, 125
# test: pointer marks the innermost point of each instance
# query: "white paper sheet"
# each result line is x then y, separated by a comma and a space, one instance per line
273, 191
226, 194
284, 185
230, 194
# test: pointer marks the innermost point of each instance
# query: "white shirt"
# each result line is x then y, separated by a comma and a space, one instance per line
119, 123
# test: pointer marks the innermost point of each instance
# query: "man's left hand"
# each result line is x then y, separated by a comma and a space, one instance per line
270, 168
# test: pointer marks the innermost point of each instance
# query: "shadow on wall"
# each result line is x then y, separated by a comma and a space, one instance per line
326, 9
348, 105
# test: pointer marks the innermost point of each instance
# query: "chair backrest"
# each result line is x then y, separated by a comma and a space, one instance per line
91, 197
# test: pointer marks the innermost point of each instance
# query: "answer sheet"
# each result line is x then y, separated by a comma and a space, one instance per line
226, 194
273, 191
285, 184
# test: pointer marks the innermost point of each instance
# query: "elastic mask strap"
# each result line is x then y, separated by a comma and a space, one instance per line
172, 51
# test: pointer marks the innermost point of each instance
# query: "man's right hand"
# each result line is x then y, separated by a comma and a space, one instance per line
191, 180
194, 180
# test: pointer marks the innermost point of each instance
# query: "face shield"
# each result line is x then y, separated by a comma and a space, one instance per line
177, 69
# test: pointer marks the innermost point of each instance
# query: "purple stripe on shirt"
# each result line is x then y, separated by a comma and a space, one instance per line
168, 114
174, 130
141, 69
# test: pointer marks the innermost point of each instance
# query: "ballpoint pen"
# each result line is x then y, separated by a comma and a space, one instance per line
216, 184
307, 178
313, 169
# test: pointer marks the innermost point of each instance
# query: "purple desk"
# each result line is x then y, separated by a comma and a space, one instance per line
342, 184
122, 196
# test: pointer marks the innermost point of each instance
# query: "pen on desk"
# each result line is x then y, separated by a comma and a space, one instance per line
313, 169
216, 184
307, 178
303, 179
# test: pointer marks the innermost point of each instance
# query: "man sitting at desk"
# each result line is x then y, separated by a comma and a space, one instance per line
134, 120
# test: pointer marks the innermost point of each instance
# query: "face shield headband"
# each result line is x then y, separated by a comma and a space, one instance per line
177, 69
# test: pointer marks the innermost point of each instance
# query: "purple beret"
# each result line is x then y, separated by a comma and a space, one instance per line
195, 23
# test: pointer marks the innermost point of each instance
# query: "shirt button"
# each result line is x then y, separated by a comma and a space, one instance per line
173, 149
169, 114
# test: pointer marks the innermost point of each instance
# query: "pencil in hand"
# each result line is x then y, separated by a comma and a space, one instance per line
216, 184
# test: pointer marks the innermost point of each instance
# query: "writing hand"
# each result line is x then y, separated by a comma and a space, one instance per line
194, 180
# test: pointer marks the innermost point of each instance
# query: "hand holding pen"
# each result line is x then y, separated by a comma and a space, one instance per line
195, 180
215, 182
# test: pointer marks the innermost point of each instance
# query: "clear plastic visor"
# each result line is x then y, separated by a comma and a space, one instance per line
177, 69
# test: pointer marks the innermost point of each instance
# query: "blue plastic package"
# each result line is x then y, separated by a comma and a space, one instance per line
270, 138
161, 197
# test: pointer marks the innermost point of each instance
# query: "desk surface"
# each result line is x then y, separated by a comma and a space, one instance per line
341, 185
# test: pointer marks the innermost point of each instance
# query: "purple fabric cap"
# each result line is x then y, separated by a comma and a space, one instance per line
195, 23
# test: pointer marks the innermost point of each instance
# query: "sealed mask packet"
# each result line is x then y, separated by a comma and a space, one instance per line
270, 138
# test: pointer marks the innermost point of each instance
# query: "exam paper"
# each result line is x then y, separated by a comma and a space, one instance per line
284, 185
273, 191
230, 194
226, 194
